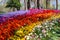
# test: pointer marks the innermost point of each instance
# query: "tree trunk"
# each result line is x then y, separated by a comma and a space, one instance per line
28, 4
38, 4
13, 9
56, 4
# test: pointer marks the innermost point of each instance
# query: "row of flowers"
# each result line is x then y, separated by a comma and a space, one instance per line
4, 17
19, 25
50, 30
22, 32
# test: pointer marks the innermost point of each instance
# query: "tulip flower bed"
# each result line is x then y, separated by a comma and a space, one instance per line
18, 26
50, 30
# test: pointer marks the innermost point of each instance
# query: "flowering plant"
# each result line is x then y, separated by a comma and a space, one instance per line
16, 25
50, 30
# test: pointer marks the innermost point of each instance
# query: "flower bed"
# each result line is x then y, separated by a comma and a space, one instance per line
18, 26
50, 30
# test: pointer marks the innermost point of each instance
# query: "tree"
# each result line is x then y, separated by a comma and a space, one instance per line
38, 4
13, 4
56, 4
28, 4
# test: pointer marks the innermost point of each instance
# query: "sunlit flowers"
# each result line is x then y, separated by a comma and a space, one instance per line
22, 25
46, 32
23, 31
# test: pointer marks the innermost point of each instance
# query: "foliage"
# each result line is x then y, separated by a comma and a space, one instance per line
13, 4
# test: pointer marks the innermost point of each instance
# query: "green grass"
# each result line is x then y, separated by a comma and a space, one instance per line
1, 12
